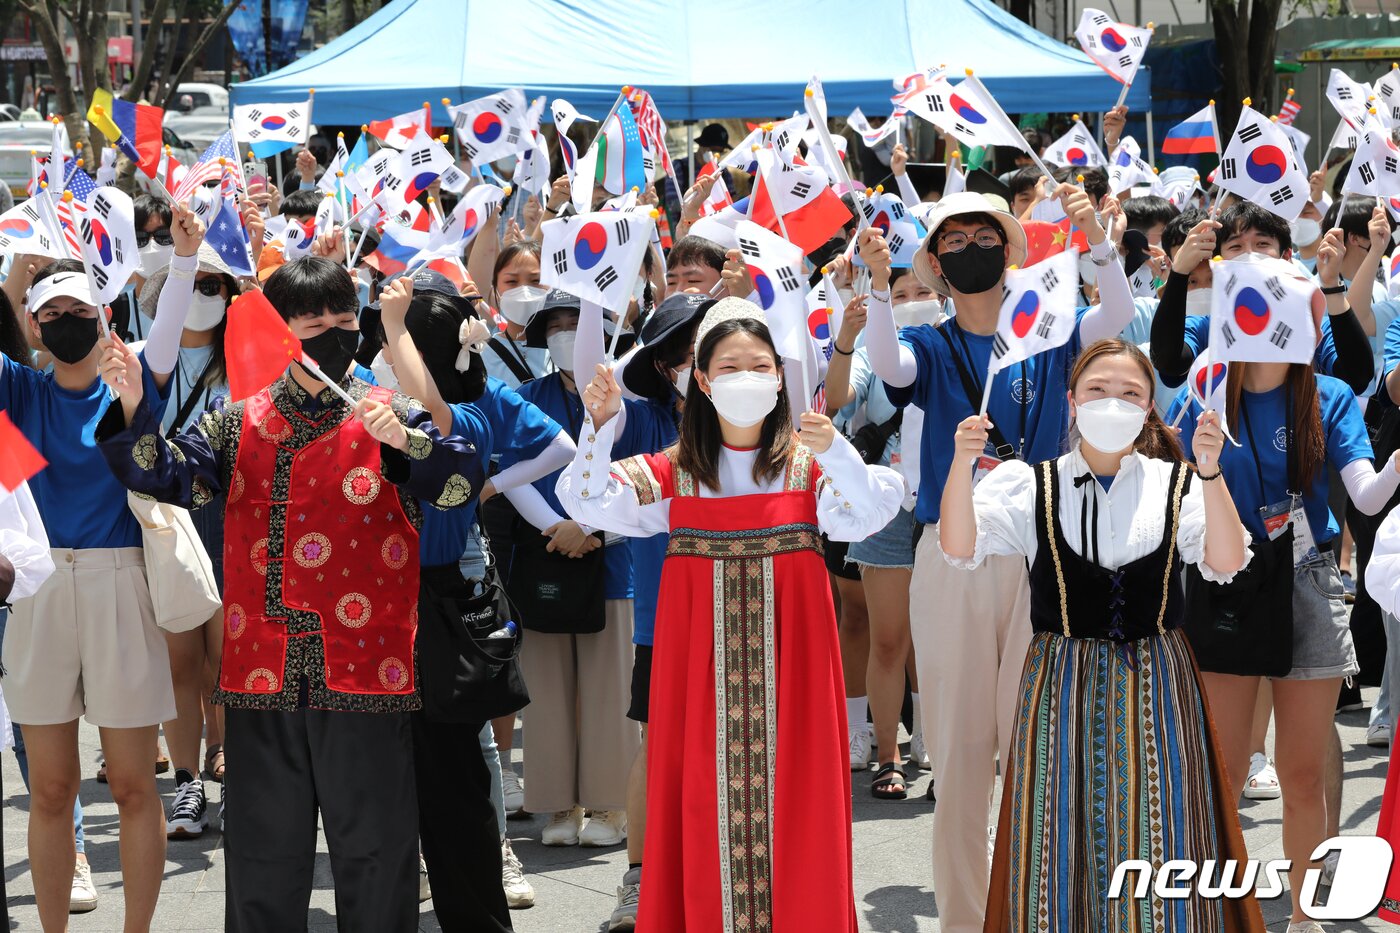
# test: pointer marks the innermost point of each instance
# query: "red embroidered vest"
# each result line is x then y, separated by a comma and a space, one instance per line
348, 555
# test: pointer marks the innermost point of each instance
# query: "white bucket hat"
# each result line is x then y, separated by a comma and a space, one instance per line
954, 205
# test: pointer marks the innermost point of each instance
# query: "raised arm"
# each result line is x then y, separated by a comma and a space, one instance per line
838, 371
1170, 355
1355, 364
163, 342
414, 378
898, 160
892, 361
1359, 295
1115, 309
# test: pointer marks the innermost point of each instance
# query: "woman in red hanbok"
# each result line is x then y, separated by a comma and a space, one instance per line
748, 793
1383, 583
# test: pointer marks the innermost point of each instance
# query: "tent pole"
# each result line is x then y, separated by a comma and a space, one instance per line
1151, 142
689, 155
1321, 96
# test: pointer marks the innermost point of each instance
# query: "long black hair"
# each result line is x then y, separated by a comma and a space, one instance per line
698, 450
434, 321
13, 342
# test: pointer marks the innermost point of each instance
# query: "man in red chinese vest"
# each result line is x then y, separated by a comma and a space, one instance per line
320, 596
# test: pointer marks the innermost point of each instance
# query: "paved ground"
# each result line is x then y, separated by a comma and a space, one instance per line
575, 887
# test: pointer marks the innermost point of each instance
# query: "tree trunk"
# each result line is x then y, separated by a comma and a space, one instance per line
347, 16
197, 48
1231, 22
44, 15
141, 76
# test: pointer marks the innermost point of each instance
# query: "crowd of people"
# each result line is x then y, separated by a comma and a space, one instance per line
705, 604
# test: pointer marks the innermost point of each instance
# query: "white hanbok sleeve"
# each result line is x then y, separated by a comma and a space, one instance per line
855, 500
24, 542
596, 492
1383, 570
1191, 536
1004, 503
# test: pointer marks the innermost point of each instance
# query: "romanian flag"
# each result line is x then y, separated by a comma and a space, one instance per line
135, 129
1195, 134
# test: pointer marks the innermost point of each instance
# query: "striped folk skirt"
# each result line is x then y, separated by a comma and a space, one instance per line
1113, 758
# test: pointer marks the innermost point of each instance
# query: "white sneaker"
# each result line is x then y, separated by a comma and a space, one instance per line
424, 891
563, 828
860, 746
1329, 868
628, 895
519, 894
1262, 783
83, 897
1378, 733
513, 789
605, 828
918, 754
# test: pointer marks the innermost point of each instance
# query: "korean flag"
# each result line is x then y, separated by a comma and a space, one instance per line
108, 229
1262, 311
490, 128
1259, 165
596, 256
1037, 310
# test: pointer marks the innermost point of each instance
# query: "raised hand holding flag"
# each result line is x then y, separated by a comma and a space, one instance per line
1037, 312
1262, 311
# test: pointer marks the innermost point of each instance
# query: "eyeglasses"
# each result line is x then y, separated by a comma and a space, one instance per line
209, 287
956, 241
161, 236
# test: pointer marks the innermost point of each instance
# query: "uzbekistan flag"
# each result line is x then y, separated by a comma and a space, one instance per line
1195, 134
135, 129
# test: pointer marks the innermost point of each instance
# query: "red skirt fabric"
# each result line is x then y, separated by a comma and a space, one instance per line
1388, 828
744, 575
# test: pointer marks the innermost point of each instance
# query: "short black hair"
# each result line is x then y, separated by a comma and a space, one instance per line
1179, 227
1095, 179
1148, 211
1246, 215
302, 203
1025, 180
306, 287
696, 251
1357, 219
144, 205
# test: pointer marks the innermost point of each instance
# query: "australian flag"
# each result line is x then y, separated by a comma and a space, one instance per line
227, 236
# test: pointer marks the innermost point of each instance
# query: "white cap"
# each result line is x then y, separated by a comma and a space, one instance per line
59, 285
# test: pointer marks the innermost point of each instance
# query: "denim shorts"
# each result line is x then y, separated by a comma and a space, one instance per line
890, 547
1322, 646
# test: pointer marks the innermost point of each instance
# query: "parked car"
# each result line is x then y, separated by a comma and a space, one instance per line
18, 139
199, 127
9, 112
193, 95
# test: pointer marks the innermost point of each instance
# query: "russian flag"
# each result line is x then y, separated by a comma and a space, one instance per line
135, 129
1195, 134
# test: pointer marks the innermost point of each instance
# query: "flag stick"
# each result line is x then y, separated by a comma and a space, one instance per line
1123, 94
656, 239
442, 225
345, 230
824, 137
358, 244
987, 389
612, 343
715, 289
315, 370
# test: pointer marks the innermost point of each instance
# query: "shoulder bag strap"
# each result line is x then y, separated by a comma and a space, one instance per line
1004, 450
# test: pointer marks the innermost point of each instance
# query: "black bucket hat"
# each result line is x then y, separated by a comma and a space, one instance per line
675, 313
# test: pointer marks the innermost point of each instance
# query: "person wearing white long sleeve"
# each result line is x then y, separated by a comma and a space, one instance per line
748, 791
971, 631
87, 643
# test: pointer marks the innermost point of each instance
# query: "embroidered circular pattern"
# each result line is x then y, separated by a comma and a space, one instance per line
259, 556
262, 680
455, 492
353, 610
235, 620
312, 550
143, 452
235, 491
274, 428
393, 675
361, 486
395, 551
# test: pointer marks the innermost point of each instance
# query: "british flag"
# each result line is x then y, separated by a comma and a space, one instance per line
653, 128
208, 168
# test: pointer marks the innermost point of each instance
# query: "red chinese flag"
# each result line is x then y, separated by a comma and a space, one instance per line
18, 458
810, 226
258, 345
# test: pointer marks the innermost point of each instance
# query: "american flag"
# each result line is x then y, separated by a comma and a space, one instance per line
78, 182
208, 169
70, 212
652, 126
1288, 110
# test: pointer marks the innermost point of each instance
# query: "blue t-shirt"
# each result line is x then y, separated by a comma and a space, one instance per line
1028, 402
516, 424
1198, 338
1263, 416
443, 537
80, 501
1390, 352
640, 435
648, 554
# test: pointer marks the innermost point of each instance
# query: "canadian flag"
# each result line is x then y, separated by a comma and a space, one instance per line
403, 130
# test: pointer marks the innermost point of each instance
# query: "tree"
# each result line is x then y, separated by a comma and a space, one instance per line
1245, 37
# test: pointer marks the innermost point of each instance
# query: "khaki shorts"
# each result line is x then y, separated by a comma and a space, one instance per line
87, 644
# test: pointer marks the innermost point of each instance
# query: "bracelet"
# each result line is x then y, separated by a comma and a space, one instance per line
1219, 471
549, 210
1332, 289
838, 349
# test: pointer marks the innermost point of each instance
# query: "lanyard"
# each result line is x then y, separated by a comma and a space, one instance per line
1288, 446
966, 358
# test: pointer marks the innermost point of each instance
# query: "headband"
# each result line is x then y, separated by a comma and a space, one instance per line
727, 309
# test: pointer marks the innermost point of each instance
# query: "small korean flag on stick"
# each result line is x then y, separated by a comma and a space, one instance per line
1077, 147
596, 256
1262, 311
1037, 312
1259, 166
1117, 48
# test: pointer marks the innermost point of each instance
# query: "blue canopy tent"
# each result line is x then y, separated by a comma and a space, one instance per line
722, 58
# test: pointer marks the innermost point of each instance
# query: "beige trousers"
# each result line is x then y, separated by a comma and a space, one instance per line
579, 743
971, 631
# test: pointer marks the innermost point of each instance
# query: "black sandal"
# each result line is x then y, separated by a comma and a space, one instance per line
885, 778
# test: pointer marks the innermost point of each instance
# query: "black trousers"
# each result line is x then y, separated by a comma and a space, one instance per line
457, 827
356, 770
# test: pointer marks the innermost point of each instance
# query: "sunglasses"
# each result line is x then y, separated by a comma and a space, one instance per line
209, 287
161, 236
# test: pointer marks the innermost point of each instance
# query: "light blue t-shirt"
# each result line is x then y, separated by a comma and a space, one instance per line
869, 394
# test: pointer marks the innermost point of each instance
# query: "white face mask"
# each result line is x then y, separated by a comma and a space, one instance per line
682, 381
744, 399
520, 304
155, 257
1198, 302
914, 313
206, 311
845, 293
1109, 424
383, 372
561, 349
1305, 231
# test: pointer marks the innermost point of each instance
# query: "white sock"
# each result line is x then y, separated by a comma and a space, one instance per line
914, 718
855, 712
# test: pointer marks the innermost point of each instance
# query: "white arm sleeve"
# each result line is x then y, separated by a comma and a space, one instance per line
1368, 489
1383, 570
589, 344
855, 500
1004, 503
163, 342
892, 361
1191, 536
591, 491
532, 507
1115, 309
559, 452
24, 542
907, 193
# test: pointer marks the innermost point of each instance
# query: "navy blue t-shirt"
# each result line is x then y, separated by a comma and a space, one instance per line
648, 554
81, 502
443, 537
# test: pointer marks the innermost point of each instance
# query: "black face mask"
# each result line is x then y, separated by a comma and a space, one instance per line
333, 349
974, 270
68, 337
